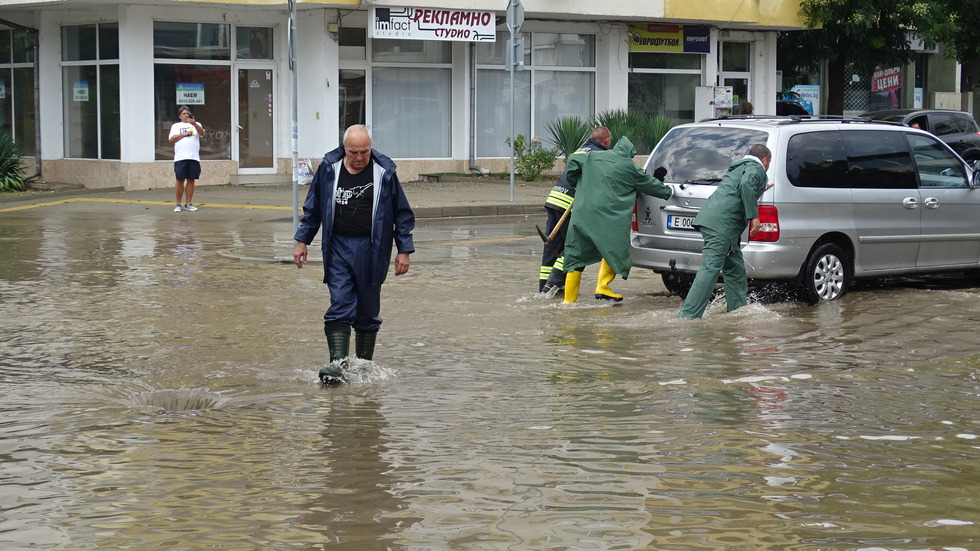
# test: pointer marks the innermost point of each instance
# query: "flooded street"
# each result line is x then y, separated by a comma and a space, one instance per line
158, 392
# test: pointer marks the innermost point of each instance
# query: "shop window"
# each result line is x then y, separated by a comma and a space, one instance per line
353, 43
17, 110
181, 78
174, 40
661, 83
90, 85
253, 43
400, 89
206, 89
558, 80
735, 56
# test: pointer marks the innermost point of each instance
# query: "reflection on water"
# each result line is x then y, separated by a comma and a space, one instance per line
156, 394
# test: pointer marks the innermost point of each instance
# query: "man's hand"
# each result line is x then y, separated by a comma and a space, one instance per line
660, 173
299, 254
754, 227
401, 263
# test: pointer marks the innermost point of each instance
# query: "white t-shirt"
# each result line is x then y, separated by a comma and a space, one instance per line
188, 147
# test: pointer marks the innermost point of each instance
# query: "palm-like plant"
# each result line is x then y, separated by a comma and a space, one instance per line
568, 133
653, 128
620, 123
11, 163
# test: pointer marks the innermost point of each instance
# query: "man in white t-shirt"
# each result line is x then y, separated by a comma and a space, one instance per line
186, 137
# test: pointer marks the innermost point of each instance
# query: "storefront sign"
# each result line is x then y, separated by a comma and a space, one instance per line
433, 24
809, 95
190, 93
886, 80
79, 90
669, 38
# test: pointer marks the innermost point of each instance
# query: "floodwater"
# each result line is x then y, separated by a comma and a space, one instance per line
157, 392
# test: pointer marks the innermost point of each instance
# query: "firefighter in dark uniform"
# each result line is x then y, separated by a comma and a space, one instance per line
552, 274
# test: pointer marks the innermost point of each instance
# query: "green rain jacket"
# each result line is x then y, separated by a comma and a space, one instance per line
735, 202
606, 185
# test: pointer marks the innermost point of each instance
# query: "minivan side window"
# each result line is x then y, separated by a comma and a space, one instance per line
935, 164
816, 159
878, 159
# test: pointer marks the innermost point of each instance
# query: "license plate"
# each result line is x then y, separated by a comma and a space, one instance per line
675, 222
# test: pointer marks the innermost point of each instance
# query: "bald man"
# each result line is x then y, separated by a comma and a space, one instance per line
357, 199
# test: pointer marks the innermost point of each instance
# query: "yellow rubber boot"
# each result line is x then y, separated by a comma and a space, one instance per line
572, 279
602, 290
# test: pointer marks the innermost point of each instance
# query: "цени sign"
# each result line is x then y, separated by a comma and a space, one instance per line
433, 24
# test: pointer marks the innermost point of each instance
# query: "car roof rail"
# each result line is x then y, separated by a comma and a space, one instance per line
794, 119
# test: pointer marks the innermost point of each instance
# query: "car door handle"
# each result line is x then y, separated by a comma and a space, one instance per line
932, 203
910, 202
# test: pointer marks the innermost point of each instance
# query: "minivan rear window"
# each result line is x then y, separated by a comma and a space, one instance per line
703, 154
816, 159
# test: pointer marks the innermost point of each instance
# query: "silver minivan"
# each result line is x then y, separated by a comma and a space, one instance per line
851, 199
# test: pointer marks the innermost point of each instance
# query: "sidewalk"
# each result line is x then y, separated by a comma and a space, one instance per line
457, 196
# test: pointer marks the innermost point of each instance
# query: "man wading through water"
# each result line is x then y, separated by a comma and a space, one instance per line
357, 199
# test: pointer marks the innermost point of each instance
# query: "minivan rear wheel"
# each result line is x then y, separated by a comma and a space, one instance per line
826, 274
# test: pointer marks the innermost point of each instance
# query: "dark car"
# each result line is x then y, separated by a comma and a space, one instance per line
957, 128
787, 107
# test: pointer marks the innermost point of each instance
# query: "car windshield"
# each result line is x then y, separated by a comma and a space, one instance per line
702, 154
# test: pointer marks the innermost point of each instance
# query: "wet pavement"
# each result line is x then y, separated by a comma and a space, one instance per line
157, 392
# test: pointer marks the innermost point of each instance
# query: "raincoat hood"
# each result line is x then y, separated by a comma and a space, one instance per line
625, 147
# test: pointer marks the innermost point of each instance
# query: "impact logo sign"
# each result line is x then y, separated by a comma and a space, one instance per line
433, 24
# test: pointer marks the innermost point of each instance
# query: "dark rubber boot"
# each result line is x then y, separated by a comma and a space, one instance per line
338, 341
364, 344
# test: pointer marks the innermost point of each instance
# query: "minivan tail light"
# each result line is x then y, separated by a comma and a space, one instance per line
633, 223
768, 225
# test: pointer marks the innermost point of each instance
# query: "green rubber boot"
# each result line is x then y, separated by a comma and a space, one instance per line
338, 341
364, 344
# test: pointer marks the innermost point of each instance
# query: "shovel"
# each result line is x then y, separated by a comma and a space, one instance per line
561, 222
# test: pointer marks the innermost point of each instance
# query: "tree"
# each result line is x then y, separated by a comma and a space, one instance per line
860, 33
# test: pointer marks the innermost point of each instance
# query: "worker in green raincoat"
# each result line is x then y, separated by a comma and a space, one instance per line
721, 222
606, 186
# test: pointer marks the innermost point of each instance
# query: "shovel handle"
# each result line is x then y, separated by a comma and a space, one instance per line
561, 221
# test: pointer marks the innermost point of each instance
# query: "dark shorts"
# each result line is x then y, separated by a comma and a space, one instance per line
188, 169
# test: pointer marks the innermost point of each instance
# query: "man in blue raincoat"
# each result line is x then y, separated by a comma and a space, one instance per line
606, 186
357, 199
721, 222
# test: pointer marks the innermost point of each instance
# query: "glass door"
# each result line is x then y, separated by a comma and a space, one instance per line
256, 128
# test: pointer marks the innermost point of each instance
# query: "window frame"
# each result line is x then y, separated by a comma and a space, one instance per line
22, 129
108, 144
368, 64
536, 69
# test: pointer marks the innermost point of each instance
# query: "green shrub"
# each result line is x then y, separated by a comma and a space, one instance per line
620, 123
11, 164
531, 158
652, 130
568, 133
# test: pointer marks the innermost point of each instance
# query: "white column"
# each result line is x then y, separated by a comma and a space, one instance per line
136, 110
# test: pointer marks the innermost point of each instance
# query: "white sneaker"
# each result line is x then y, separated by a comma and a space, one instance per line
177, 208
190, 207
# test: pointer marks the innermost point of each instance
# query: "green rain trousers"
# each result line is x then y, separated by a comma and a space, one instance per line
721, 222
606, 185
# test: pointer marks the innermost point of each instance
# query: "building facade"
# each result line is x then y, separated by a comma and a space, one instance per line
89, 88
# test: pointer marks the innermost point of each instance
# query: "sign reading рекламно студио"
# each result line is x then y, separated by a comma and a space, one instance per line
433, 24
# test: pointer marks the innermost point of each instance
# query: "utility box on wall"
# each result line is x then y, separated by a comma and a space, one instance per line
952, 100
711, 102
